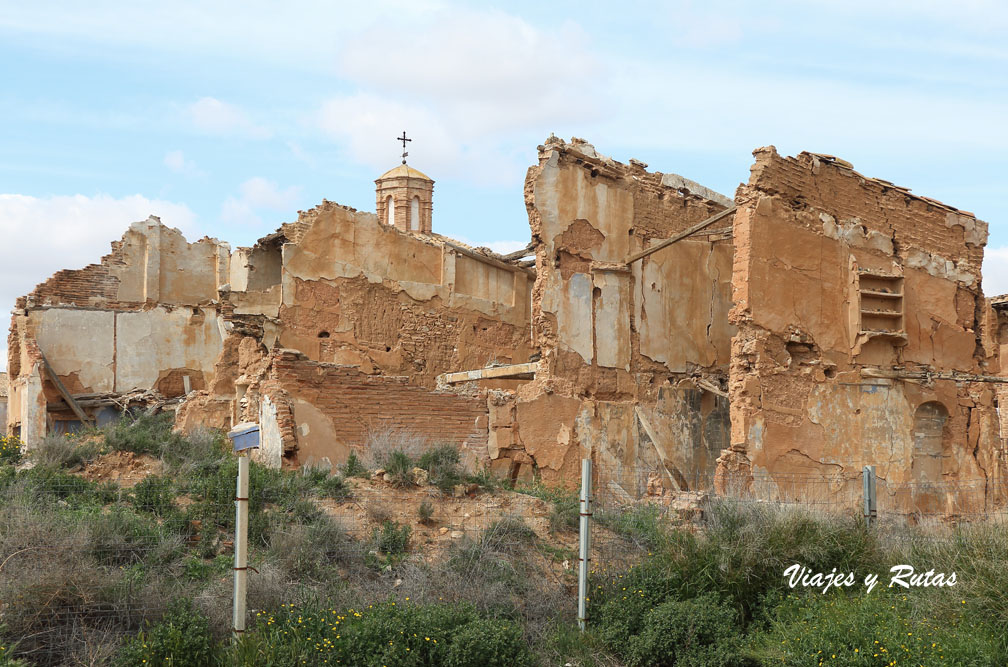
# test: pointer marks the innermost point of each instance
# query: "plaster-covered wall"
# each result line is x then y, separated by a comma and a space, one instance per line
806, 290
618, 341
147, 316
3, 403
352, 290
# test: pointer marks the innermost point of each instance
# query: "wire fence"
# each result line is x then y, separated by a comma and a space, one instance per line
625, 526
84, 562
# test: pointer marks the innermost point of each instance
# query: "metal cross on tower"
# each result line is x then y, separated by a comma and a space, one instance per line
403, 139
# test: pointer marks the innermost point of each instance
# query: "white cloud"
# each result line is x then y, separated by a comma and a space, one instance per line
303, 33
265, 194
213, 116
44, 235
474, 89
177, 162
995, 271
256, 194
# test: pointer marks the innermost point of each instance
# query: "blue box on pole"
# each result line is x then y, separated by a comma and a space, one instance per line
244, 436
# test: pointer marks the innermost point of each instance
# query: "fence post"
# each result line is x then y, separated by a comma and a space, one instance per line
870, 509
584, 554
241, 544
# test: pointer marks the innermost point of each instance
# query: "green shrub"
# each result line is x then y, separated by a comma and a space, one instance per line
200, 569
565, 508
698, 632
488, 644
155, 495
565, 513
60, 451
144, 434
120, 537
392, 538
49, 483
399, 466
877, 628
10, 449
425, 512
442, 466
334, 487
354, 468
180, 639
390, 633
644, 525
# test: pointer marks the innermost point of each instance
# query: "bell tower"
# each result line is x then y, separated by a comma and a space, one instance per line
404, 196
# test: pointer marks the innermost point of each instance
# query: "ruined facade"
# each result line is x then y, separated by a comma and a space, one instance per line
819, 322
3, 403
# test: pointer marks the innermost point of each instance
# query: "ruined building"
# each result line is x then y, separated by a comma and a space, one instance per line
818, 322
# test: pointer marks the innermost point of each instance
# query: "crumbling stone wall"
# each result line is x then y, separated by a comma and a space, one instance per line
833, 274
312, 410
145, 318
3, 403
617, 340
354, 291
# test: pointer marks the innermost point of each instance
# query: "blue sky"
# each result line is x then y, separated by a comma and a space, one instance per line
225, 118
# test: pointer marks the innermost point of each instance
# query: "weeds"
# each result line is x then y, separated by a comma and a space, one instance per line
442, 466
425, 512
64, 452
392, 539
564, 505
354, 468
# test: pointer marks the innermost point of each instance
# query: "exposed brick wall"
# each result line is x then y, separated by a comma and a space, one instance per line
807, 181
94, 284
399, 335
356, 403
661, 211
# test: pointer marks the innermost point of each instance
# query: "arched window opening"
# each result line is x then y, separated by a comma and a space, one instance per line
414, 214
390, 211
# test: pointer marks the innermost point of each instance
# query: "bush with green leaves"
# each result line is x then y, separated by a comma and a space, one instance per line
701, 631
144, 434
425, 512
10, 449
48, 483
389, 633
442, 466
181, 638
482, 643
392, 538
564, 505
354, 468
399, 468
859, 629
154, 494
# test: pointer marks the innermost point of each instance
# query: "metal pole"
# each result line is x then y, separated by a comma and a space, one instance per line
241, 544
870, 508
584, 554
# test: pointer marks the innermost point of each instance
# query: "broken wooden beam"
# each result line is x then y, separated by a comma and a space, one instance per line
955, 376
81, 415
524, 371
707, 385
518, 254
486, 259
681, 235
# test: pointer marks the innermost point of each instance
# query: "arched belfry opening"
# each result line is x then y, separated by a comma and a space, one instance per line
404, 196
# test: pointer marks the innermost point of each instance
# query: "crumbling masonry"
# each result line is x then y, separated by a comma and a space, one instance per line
818, 322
